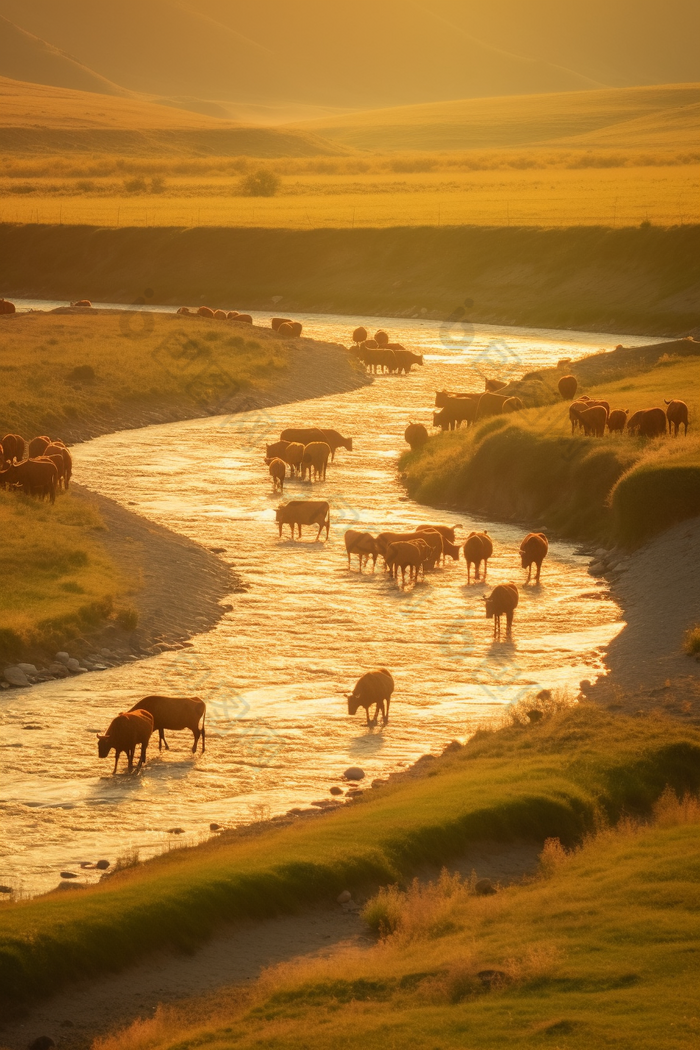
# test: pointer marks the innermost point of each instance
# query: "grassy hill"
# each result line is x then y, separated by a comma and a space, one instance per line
618, 118
38, 118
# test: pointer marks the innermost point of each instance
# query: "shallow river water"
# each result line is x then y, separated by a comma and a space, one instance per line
276, 670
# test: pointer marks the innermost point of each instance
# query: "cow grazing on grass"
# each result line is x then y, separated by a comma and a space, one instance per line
567, 386
373, 689
593, 421
315, 460
416, 435
278, 472
617, 420
38, 477
175, 713
478, 547
677, 415
277, 322
205, 311
57, 448
304, 512
455, 411
336, 441
489, 405
649, 422
125, 733
533, 551
364, 545
502, 601
286, 330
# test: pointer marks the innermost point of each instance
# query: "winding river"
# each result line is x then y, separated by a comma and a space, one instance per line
275, 671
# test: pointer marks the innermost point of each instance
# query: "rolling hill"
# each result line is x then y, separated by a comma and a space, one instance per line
34, 117
645, 117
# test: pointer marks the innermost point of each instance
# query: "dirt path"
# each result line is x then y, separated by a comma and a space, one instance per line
235, 956
658, 588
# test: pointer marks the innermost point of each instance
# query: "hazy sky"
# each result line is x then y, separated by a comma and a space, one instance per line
370, 52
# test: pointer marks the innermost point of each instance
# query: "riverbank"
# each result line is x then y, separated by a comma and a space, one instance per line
638, 280
98, 577
529, 467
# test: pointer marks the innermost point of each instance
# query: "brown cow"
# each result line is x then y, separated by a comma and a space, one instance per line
13, 447
244, 318
456, 411
176, 713
38, 477
82, 303
205, 311
232, 315
58, 448
286, 330
502, 601
593, 421
478, 547
183, 310
364, 545
278, 321
407, 554
6, 307
304, 435
677, 415
493, 385
304, 512
617, 420
381, 338
275, 450
446, 531
512, 404
37, 446
490, 405
406, 359
336, 441
220, 315
58, 463
278, 472
293, 455
431, 537
125, 733
359, 335
315, 460
533, 551
416, 435
567, 386
376, 688
649, 422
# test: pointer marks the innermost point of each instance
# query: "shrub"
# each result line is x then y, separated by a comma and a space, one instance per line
82, 374
136, 185
691, 642
260, 183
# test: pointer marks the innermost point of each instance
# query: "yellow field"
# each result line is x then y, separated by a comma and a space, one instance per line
665, 196
661, 116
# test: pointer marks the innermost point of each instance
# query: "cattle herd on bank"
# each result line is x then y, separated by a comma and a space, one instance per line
40, 467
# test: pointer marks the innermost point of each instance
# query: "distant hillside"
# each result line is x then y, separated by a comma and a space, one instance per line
26, 57
34, 117
619, 117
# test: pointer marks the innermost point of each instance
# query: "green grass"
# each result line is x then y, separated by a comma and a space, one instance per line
531, 468
553, 779
56, 579
149, 364
600, 950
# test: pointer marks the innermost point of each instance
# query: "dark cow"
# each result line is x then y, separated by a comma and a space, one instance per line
416, 435
533, 551
567, 386
407, 554
512, 404
405, 359
336, 441
490, 405
593, 421
125, 733
278, 472
37, 446
502, 601
446, 531
617, 420
359, 335
276, 450
649, 422
38, 477
304, 512
277, 322
677, 415
205, 311
364, 545
13, 447
304, 435
381, 338
315, 460
176, 713
478, 547
6, 307
374, 688
58, 448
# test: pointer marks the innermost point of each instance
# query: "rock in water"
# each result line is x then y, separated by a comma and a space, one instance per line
354, 773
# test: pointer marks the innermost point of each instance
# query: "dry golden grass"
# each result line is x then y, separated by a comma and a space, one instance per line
664, 196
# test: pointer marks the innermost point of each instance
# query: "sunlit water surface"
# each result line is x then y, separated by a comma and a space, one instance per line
276, 670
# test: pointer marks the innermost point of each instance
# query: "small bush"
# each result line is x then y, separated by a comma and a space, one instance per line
691, 642
420, 911
260, 183
128, 618
136, 185
82, 374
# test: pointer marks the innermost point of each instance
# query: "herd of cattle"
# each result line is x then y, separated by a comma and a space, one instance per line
39, 467
303, 451
284, 326
379, 355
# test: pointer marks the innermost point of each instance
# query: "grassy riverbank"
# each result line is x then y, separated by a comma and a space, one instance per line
531, 468
598, 950
57, 580
553, 779
75, 376
638, 279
